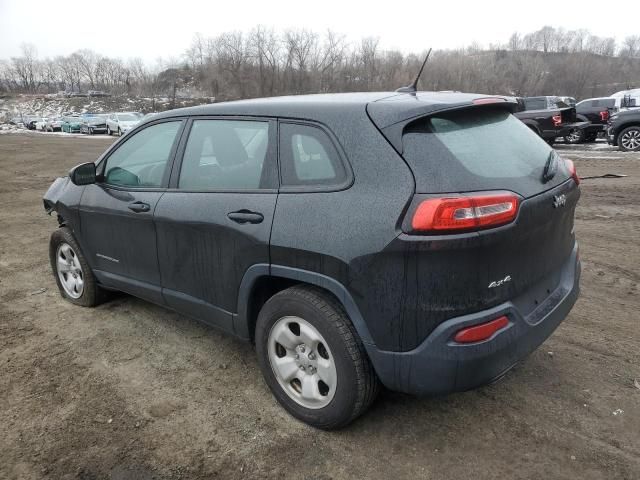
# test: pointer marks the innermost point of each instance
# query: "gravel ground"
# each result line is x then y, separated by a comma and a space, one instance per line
132, 391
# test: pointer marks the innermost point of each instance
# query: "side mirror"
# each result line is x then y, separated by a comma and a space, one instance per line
83, 174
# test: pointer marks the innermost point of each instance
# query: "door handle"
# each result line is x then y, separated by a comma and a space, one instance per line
139, 207
245, 216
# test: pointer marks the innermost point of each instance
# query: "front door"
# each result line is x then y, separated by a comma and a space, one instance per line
215, 220
116, 213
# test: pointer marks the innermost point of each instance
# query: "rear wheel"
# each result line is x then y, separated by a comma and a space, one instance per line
629, 139
312, 358
74, 277
575, 136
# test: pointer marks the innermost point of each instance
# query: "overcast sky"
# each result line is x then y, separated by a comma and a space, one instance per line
159, 28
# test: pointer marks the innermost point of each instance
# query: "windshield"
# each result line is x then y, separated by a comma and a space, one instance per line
472, 150
127, 117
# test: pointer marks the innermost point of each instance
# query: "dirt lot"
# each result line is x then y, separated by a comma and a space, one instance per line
129, 390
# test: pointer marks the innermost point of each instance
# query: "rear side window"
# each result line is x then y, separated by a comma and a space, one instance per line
477, 150
535, 103
309, 157
226, 155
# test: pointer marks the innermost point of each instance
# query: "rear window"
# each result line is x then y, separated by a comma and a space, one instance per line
535, 103
477, 150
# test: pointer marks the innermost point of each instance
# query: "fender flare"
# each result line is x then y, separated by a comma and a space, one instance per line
255, 272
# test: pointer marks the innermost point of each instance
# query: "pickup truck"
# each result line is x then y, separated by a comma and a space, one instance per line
623, 130
549, 123
596, 111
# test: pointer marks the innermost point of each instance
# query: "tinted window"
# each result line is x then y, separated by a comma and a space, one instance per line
226, 155
539, 103
309, 157
467, 151
141, 160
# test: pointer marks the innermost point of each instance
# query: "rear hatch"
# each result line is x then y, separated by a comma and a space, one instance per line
481, 153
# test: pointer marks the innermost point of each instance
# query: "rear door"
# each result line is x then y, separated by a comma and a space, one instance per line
214, 221
116, 213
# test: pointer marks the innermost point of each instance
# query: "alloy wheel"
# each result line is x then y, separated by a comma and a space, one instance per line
69, 270
631, 139
574, 135
302, 362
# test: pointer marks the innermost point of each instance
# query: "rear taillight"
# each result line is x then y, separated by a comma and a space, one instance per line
572, 171
557, 120
472, 212
604, 115
481, 332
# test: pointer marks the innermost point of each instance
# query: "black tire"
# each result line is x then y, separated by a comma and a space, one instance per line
575, 136
358, 385
92, 294
109, 132
119, 132
633, 131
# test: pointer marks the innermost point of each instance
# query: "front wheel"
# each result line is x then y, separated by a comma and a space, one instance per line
312, 358
108, 130
74, 277
629, 139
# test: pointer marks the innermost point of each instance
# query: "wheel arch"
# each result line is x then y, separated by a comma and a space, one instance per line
260, 282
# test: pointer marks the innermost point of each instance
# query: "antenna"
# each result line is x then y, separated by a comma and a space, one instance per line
413, 88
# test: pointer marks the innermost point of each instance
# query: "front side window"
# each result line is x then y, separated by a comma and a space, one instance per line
309, 157
226, 155
142, 159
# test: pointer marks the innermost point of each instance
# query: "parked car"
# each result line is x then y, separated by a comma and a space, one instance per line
326, 230
41, 124
53, 124
122, 122
549, 117
93, 123
626, 99
71, 124
596, 111
623, 130
30, 122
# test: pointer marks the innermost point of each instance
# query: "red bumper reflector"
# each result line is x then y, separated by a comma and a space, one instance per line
481, 332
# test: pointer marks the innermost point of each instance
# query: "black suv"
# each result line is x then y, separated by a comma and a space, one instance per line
623, 130
420, 241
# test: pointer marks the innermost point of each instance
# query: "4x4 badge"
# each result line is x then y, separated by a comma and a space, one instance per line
559, 200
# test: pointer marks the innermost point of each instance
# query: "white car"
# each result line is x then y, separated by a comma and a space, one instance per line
121, 123
53, 124
41, 124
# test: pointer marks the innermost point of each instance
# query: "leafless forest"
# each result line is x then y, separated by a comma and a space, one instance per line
264, 62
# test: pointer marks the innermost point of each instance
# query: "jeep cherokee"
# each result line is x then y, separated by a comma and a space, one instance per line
421, 241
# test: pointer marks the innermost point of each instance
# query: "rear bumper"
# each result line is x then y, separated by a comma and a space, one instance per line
440, 366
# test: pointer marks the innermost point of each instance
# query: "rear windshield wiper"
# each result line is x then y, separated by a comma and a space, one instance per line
551, 167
